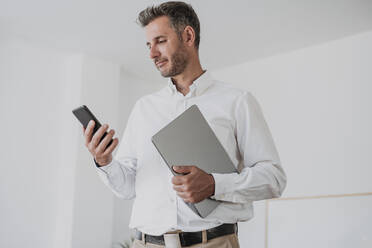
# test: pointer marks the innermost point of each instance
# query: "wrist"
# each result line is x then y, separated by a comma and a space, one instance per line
212, 185
101, 163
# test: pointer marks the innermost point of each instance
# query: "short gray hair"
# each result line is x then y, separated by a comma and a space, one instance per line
180, 15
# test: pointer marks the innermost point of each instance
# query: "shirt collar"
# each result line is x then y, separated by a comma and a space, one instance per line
200, 84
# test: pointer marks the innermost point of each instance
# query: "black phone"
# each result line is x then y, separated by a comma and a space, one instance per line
84, 115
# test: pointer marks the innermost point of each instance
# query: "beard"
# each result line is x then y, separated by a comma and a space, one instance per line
178, 63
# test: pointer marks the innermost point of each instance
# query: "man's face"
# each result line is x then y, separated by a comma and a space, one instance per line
166, 50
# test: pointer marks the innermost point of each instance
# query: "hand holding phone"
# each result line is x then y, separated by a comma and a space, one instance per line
98, 141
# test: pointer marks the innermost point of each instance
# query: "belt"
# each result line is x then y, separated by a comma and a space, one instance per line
191, 238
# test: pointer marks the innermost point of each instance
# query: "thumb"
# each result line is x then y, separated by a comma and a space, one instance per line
182, 169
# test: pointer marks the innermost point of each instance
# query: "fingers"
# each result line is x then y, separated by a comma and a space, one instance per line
177, 180
98, 136
180, 180
189, 197
183, 169
187, 171
184, 195
94, 143
88, 132
180, 188
111, 147
97, 143
104, 142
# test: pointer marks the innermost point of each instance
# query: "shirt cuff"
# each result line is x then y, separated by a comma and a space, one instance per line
224, 184
106, 168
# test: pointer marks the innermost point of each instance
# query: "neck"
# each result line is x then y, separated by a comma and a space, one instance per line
192, 71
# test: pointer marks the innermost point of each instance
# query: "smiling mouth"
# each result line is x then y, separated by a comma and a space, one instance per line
161, 63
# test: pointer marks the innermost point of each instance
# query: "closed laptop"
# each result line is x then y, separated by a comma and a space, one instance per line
189, 140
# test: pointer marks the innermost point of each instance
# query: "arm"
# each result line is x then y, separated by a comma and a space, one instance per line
262, 176
120, 174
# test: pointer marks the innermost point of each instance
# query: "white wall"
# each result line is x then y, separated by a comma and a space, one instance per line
317, 105
50, 193
38, 87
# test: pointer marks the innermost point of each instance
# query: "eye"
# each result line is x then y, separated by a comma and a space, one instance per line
162, 41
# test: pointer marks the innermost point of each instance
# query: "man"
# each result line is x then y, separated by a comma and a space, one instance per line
160, 215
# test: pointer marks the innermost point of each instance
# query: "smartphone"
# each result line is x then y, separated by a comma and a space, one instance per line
84, 115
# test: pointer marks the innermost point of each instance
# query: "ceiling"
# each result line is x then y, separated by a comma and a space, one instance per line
232, 32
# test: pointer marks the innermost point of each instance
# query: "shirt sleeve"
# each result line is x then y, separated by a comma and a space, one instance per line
120, 174
262, 176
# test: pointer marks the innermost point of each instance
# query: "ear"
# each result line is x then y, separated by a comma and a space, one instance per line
189, 36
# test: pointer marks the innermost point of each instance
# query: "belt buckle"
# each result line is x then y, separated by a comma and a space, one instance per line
172, 240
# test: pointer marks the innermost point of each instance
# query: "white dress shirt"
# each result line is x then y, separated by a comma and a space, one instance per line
138, 171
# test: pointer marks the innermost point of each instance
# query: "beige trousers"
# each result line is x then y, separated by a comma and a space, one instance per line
227, 241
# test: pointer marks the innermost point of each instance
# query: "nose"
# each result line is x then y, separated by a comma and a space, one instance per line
154, 52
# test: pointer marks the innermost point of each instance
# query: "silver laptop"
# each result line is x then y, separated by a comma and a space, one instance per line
189, 140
